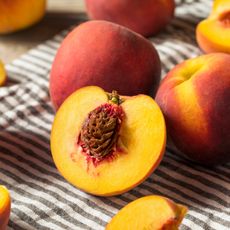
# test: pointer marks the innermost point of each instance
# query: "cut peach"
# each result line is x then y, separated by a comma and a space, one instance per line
105, 144
150, 212
2, 74
213, 33
5, 204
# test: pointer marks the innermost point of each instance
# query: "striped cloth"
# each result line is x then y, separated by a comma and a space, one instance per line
42, 199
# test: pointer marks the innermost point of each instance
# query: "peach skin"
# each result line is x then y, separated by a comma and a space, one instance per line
106, 55
195, 99
149, 213
5, 204
146, 17
20, 14
106, 144
213, 33
2, 74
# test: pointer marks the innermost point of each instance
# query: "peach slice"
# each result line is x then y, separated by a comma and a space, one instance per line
5, 205
213, 33
149, 212
105, 144
2, 74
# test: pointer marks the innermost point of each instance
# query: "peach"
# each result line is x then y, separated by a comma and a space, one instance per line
20, 14
5, 204
213, 33
149, 212
195, 99
106, 144
2, 74
107, 55
145, 17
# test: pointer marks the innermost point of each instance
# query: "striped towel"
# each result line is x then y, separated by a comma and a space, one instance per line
42, 199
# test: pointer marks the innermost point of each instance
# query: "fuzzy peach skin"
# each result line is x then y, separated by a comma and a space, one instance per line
136, 154
213, 33
2, 74
107, 55
5, 205
195, 99
20, 14
149, 213
146, 17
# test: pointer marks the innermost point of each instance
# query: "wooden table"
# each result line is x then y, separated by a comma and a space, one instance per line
60, 14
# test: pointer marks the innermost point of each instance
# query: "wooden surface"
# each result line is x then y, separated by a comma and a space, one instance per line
60, 15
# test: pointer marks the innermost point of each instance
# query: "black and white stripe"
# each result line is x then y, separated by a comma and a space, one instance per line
42, 199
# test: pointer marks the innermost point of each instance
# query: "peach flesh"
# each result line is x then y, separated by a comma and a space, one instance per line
5, 206
136, 154
2, 74
213, 33
149, 212
224, 18
104, 122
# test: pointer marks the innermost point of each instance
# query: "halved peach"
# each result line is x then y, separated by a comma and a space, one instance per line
150, 212
213, 33
2, 74
5, 204
105, 144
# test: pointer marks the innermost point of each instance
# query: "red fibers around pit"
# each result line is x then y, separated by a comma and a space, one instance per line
111, 110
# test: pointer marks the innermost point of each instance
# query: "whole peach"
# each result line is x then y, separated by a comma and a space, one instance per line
146, 17
107, 55
195, 99
20, 14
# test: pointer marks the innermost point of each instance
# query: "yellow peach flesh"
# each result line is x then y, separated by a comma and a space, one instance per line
150, 212
2, 74
4, 207
142, 140
220, 6
214, 33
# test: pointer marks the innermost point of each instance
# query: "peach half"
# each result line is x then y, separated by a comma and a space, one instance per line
5, 205
213, 33
150, 212
2, 74
105, 144
195, 99
20, 14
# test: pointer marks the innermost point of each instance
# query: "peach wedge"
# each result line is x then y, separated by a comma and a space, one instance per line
213, 33
5, 204
2, 74
106, 144
150, 212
